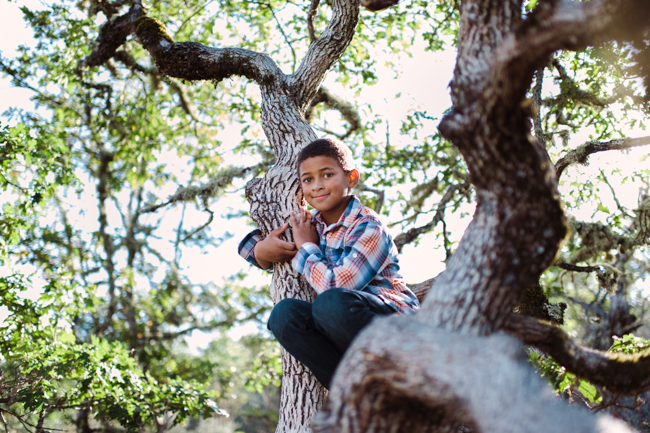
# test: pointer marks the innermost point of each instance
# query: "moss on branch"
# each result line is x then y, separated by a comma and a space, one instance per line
151, 32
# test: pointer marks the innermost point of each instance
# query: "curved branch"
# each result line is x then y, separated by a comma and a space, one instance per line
620, 373
112, 35
411, 235
553, 25
575, 25
325, 51
580, 154
347, 110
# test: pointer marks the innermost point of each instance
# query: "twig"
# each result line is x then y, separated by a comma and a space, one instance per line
313, 9
284, 35
618, 203
602, 406
570, 267
537, 100
195, 231
413, 234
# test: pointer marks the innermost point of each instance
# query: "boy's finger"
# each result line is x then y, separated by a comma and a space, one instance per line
278, 231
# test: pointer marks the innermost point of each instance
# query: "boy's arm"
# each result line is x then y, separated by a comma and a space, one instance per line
263, 252
366, 254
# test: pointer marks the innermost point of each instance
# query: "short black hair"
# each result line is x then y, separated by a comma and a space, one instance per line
327, 147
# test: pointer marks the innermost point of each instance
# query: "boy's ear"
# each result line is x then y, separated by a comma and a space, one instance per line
354, 178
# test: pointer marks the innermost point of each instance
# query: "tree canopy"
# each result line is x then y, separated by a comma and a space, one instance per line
151, 122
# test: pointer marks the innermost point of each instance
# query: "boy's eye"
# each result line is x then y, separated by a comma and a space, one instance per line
306, 180
327, 175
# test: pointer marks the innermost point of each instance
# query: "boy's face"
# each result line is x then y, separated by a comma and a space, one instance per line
326, 186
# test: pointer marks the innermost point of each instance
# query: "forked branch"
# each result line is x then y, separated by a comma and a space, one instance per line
325, 51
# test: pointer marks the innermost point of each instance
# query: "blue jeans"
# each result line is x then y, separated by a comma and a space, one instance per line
318, 334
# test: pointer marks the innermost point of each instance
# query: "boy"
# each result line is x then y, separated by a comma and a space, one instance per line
345, 254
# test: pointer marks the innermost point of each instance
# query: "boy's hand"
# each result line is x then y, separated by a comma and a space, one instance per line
303, 229
272, 249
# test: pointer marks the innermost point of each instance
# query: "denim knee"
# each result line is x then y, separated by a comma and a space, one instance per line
333, 305
284, 312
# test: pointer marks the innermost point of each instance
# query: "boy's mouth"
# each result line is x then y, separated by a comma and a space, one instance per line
321, 197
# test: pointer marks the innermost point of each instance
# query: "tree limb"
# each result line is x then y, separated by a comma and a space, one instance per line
209, 189
423, 379
582, 153
186, 60
324, 52
619, 373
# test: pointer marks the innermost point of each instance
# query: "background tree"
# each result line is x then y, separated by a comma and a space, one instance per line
120, 115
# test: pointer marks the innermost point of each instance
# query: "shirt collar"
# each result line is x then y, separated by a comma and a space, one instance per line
349, 215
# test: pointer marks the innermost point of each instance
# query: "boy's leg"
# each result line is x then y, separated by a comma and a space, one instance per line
341, 314
292, 323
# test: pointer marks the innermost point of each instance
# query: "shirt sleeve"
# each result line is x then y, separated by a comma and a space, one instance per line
246, 247
366, 253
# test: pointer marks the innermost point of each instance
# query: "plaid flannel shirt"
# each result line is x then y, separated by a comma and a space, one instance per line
356, 253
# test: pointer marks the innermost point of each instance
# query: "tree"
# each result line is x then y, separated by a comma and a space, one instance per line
516, 229
514, 235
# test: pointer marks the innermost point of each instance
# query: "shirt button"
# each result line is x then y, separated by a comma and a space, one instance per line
355, 255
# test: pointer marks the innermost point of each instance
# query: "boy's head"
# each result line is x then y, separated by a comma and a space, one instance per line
327, 147
327, 177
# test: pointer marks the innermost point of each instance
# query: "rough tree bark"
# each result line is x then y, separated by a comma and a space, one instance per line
449, 368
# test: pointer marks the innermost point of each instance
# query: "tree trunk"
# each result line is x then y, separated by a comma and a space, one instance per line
272, 198
448, 368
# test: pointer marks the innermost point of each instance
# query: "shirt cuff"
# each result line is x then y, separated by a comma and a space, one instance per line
246, 248
300, 259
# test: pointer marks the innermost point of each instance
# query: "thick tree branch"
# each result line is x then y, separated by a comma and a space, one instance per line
526, 46
186, 60
423, 379
619, 373
193, 61
581, 154
324, 52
